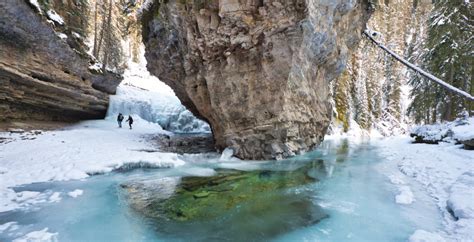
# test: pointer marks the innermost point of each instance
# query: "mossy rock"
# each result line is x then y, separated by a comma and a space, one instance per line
242, 204
207, 198
202, 194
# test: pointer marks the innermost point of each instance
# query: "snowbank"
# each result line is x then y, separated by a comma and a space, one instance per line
445, 172
355, 134
464, 132
91, 147
459, 130
425, 236
461, 196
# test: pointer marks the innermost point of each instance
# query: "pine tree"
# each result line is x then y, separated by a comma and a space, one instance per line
448, 55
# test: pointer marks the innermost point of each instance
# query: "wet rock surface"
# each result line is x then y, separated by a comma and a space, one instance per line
184, 143
258, 71
42, 77
259, 204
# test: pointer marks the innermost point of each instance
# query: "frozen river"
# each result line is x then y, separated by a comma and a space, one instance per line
336, 193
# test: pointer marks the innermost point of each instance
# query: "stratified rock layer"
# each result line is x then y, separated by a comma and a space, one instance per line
41, 76
257, 71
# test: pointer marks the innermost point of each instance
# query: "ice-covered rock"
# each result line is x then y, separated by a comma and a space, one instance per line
460, 130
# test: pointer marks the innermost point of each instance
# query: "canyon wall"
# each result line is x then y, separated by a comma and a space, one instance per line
44, 74
258, 71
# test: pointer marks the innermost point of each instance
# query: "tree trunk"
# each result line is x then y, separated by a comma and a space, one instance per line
94, 51
101, 35
108, 38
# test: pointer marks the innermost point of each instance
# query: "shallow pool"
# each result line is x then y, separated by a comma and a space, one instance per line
332, 194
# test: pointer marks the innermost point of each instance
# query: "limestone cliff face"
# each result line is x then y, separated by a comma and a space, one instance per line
258, 71
41, 76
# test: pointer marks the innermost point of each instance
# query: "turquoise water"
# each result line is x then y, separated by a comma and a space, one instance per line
357, 199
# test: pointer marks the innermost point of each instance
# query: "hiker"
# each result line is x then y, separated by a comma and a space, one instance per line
130, 121
119, 120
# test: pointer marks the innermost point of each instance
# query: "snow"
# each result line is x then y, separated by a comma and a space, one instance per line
55, 17
8, 227
96, 67
464, 132
38, 236
27, 196
35, 4
61, 35
227, 154
355, 134
76, 35
75, 193
444, 172
406, 196
90, 147
461, 197
460, 130
56, 197
146, 96
425, 236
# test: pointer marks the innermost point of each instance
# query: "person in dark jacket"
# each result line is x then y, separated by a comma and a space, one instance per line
119, 120
130, 121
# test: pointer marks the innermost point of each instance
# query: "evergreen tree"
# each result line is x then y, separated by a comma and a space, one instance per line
448, 55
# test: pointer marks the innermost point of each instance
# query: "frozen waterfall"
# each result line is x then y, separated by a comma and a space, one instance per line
141, 94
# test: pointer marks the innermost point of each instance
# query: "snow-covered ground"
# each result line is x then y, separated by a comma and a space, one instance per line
73, 153
444, 172
95, 146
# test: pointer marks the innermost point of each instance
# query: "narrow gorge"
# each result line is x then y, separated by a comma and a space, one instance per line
236, 120
259, 72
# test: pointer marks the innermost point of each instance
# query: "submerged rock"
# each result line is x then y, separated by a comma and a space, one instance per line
259, 204
258, 71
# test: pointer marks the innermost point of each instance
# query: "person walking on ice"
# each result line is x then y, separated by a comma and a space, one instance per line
119, 120
130, 121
